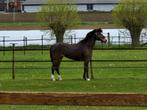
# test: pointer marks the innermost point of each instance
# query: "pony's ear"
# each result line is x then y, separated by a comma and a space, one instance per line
99, 30
95, 30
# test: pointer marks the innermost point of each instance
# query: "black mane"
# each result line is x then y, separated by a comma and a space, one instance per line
88, 37
91, 35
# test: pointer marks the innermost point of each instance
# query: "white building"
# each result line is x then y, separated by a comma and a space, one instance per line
82, 5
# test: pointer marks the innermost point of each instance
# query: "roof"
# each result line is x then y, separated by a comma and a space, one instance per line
35, 2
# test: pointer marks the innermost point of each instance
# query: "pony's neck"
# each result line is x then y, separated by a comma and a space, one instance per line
89, 41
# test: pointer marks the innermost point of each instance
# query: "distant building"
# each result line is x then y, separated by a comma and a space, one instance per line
35, 5
11, 5
82, 5
2, 5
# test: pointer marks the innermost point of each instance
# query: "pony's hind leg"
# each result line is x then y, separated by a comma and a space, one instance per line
59, 76
52, 75
56, 67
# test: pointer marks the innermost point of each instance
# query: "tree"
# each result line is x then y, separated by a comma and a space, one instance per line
132, 14
59, 16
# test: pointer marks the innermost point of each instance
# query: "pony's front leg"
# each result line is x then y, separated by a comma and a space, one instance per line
86, 75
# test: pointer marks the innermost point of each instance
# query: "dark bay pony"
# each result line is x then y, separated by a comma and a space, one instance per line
81, 51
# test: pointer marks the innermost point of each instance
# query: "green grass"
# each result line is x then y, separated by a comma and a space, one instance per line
20, 23
109, 77
24, 107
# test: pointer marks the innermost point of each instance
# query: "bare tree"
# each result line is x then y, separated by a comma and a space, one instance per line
58, 15
132, 14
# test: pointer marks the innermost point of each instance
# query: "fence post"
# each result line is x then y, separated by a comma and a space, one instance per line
25, 44
109, 43
119, 40
75, 38
13, 60
24, 48
26, 39
91, 68
4, 45
42, 44
71, 38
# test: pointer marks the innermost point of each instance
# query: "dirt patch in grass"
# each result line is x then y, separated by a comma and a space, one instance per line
78, 99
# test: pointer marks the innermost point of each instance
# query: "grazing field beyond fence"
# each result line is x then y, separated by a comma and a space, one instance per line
32, 17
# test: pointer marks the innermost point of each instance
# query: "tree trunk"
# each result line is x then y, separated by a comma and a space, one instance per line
135, 41
135, 36
59, 39
59, 35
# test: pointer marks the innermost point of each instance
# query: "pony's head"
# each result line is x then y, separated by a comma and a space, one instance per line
99, 36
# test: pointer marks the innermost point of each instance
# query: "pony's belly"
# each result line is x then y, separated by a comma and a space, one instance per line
73, 52
75, 57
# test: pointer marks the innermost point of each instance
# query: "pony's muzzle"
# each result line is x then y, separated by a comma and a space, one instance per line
104, 40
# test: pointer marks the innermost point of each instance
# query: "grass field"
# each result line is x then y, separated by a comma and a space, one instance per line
39, 25
109, 77
24, 107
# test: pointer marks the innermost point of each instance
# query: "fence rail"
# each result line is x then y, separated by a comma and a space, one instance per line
116, 40
7, 61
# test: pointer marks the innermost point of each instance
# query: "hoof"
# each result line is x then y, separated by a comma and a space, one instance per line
59, 79
53, 80
88, 79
